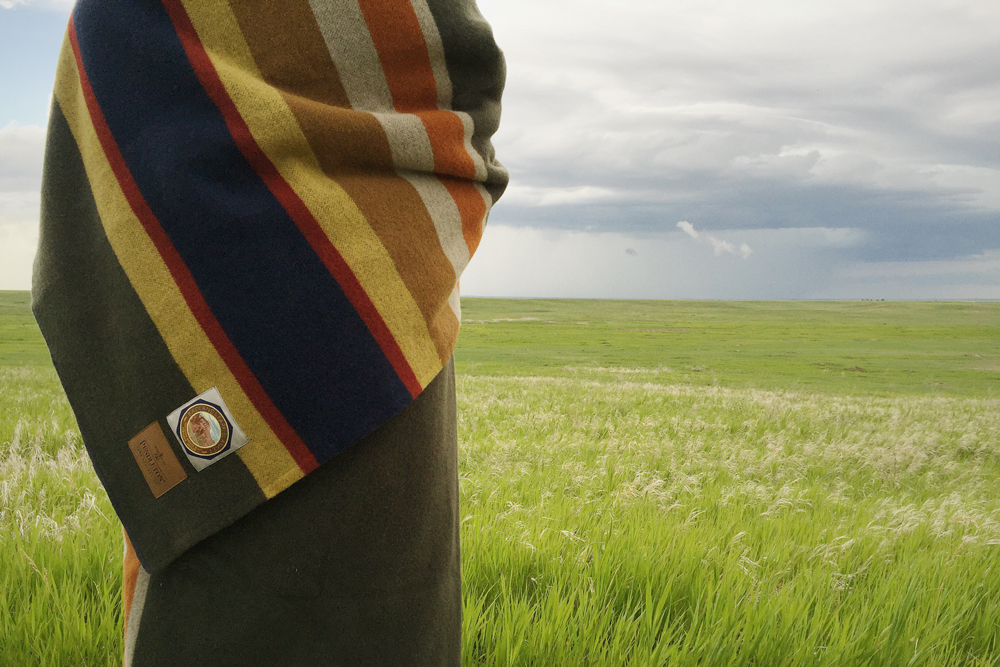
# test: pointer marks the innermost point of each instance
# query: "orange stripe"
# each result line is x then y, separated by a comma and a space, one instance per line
397, 214
280, 136
289, 199
392, 208
447, 135
471, 207
402, 50
353, 150
395, 30
130, 574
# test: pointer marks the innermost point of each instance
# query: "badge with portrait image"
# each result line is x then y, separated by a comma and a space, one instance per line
206, 429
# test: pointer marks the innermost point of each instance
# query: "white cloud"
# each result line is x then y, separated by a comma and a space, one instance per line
688, 228
21, 152
17, 252
19, 207
985, 264
22, 148
59, 5
720, 246
969, 277
18, 238
807, 134
520, 193
977, 186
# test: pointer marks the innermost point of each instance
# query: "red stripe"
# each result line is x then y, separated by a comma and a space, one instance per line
185, 281
286, 196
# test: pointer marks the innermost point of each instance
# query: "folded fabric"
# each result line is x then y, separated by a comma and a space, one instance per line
350, 567
254, 218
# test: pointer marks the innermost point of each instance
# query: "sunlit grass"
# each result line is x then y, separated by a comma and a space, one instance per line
846, 347
60, 543
643, 483
613, 523
621, 523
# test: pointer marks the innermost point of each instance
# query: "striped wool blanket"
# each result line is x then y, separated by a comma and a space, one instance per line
254, 218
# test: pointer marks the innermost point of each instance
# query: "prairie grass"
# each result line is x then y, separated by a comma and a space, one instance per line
620, 511
844, 347
624, 523
60, 542
612, 523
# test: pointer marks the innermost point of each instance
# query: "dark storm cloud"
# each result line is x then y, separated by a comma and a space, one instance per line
899, 225
772, 115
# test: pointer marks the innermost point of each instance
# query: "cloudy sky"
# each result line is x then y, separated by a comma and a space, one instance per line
690, 149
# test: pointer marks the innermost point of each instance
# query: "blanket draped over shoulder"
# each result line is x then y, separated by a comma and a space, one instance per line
274, 200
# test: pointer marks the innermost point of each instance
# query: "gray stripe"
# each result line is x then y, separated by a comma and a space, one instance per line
435, 50
469, 128
408, 141
447, 219
455, 301
135, 614
477, 72
353, 53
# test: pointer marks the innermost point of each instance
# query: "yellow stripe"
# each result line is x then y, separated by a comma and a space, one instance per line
265, 457
276, 130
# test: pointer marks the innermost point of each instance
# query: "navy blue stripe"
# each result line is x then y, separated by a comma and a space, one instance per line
277, 302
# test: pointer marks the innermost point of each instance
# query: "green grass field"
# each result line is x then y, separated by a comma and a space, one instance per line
854, 347
643, 483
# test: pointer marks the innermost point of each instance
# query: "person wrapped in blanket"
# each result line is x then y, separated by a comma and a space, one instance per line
254, 219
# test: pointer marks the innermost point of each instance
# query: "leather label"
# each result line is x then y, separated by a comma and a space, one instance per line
158, 463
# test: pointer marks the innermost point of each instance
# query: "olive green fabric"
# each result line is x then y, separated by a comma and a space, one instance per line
357, 564
118, 374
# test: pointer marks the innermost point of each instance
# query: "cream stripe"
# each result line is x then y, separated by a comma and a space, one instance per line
435, 50
265, 457
487, 197
469, 126
278, 134
445, 214
360, 68
357, 61
413, 158
135, 614
408, 141
439, 65
455, 302
354, 54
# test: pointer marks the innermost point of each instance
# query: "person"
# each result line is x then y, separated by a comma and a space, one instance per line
260, 212
201, 432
